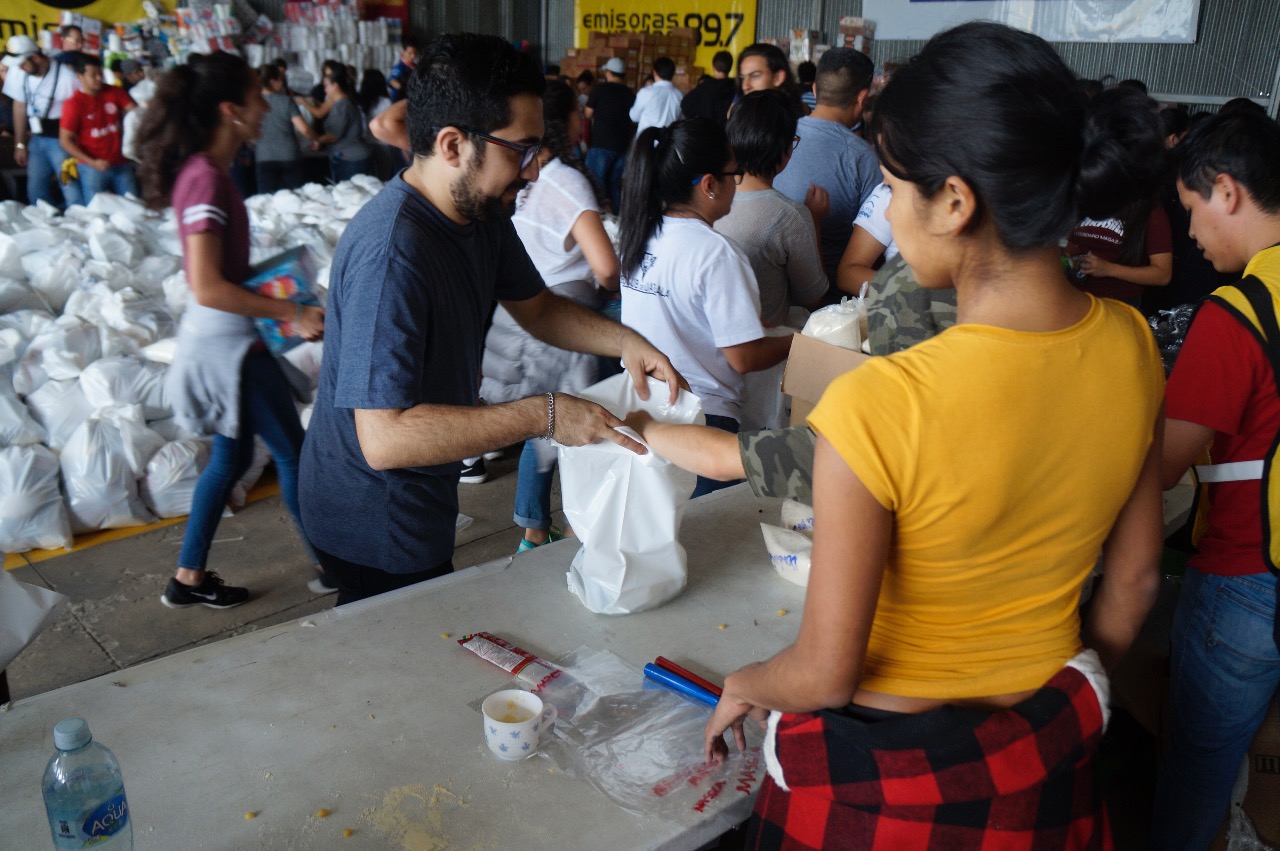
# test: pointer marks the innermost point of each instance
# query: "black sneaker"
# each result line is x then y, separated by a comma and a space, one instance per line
211, 592
474, 474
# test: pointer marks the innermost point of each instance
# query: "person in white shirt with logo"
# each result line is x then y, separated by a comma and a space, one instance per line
39, 86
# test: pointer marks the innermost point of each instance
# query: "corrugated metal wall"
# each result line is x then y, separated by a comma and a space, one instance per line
1237, 53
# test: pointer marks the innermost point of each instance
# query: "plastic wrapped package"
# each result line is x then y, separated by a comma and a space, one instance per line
151, 272
171, 477
29, 323
55, 274
161, 351
32, 513
17, 427
1170, 329
127, 380
12, 345
16, 295
102, 490
11, 259
306, 357
627, 508
116, 248
107, 204
137, 316
176, 292
59, 353
843, 324
115, 275
59, 406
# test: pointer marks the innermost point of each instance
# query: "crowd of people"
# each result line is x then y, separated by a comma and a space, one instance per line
68, 119
947, 680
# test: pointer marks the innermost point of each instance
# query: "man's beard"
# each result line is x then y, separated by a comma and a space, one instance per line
474, 205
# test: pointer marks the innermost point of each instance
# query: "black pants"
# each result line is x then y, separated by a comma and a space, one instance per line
273, 176
358, 582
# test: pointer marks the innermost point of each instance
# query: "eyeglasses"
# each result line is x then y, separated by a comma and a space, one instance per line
736, 175
527, 152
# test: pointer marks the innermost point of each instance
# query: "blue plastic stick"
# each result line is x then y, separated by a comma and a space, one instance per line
680, 684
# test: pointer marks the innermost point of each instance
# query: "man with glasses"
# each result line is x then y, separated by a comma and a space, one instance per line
413, 281
831, 155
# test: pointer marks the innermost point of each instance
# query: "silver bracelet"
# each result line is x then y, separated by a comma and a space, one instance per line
551, 417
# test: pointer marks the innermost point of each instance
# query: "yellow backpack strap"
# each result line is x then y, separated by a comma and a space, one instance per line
1267, 331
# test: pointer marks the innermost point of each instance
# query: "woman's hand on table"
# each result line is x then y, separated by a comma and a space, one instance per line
310, 323
729, 714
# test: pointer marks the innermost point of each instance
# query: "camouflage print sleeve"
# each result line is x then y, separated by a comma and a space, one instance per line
779, 462
901, 313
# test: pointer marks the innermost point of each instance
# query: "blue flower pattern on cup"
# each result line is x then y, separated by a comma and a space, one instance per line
493, 730
525, 746
502, 747
515, 734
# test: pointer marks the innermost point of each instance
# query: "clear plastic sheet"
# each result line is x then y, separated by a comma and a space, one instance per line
1170, 329
641, 745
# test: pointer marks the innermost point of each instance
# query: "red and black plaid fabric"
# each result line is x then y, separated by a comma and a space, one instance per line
953, 779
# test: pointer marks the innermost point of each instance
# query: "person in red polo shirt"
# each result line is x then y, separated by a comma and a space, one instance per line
92, 129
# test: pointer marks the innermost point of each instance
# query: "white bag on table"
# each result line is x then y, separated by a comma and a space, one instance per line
627, 508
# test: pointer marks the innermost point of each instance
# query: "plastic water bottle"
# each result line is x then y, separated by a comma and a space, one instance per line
84, 792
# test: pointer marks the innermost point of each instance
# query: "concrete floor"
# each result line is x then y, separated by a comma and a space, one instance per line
115, 618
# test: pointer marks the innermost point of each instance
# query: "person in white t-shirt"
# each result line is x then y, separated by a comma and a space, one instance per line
871, 238
558, 220
39, 86
685, 287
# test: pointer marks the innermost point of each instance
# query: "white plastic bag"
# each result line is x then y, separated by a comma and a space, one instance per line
127, 380
791, 547
59, 406
627, 508
102, 490
17, 428
25, 610
843, 324
172, 474
32, 515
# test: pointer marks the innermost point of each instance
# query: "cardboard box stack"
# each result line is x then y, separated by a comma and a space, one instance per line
637, 50
857, 33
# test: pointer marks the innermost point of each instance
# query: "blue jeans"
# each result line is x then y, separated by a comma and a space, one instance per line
1226, 669
706, 486
533, 491
44, 164
119, 179
607, 167
266, 409
343, 169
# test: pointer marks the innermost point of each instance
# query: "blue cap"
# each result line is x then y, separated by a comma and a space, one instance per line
71, 733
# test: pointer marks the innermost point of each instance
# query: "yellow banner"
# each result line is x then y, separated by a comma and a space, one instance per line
721, 24
28, 17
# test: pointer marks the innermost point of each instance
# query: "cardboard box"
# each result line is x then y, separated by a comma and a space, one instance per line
811, 366
1262, 800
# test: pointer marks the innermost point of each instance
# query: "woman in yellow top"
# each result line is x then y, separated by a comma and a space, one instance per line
939, 693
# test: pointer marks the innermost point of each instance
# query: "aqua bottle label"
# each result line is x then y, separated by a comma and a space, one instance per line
86, 829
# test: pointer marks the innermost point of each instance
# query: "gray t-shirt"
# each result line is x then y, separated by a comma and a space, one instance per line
837, 159
346, 123
279, 140
777, 236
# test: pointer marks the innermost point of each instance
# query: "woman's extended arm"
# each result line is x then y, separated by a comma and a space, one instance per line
204, 276
857, 265
588, 231
1157, 272
822, 668
758, 354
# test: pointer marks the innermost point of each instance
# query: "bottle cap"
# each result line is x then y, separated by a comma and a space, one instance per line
71, 733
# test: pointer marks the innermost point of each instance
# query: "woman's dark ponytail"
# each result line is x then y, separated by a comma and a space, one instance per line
662, 168
183, 117
641, 212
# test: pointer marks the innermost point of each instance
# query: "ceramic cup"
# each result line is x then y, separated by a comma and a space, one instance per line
514, 722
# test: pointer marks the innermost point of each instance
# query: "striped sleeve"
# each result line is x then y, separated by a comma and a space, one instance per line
201, 199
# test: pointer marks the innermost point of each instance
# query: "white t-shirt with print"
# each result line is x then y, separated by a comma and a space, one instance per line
694, 294
546, 211
871, 218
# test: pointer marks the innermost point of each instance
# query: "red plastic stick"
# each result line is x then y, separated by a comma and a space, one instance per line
664, 662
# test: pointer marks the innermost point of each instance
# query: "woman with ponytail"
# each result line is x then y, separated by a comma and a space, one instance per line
223, 379
687, 288
941, 691
558, 220
344, 129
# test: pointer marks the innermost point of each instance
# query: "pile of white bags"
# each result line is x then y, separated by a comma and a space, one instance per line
89, 305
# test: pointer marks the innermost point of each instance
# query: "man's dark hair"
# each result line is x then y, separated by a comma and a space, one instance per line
1136, 85
664, 67
409, 41
84, 61
467, 80
806, 72
587, 78
1244, 145
1238, 105
842, 73
722, 61
281, 63
66, 30
552, 70
773, 57
761, 131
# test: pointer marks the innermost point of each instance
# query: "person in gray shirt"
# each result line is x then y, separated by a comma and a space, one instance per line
278, 156
830, 154
349, 153
778, 235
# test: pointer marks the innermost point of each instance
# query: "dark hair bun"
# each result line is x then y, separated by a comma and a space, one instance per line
1123, 156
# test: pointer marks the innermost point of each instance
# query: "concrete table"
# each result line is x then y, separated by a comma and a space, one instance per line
366, 711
